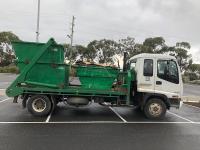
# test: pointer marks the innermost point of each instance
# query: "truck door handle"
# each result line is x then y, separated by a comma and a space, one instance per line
158, 82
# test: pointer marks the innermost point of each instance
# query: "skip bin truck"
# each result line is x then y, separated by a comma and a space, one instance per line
152, 82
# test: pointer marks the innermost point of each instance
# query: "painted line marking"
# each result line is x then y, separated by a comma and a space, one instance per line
191, 106
100, 122
48, 118
5, 82
4, 100
117, 114
180, 117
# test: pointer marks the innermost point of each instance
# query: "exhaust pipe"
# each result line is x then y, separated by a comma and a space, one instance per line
125, 61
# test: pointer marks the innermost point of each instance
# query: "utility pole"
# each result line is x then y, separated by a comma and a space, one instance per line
38, 22
71, 36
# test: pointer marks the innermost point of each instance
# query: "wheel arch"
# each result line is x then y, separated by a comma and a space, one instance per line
26, 97
149, 96
46, 108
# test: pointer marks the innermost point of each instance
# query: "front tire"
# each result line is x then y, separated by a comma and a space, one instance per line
39, 105
155, 109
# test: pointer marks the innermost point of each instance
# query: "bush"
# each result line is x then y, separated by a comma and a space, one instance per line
9, 69
193, 76
185, 79
195, 82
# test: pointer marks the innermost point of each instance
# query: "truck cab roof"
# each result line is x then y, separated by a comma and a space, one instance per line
148, 55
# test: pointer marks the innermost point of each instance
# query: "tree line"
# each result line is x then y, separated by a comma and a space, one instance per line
106, 51
6, 52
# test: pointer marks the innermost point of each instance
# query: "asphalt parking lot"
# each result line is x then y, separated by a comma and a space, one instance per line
95, 127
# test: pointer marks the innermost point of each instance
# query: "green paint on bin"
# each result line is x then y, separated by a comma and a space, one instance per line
49, 68
97, 77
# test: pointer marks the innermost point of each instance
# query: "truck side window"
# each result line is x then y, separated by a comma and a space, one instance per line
167, 70
148, 67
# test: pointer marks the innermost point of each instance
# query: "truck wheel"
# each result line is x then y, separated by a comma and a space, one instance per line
39, 105
155, 109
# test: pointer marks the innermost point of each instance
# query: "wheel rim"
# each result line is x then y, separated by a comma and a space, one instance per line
155, 109
39, 105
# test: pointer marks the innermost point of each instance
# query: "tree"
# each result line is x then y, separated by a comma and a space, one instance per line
150, 45
77, 51
6, 52
181, 53
127, 45
7, 37
103, 50
194, 68
74, 54
154, 45
90, 52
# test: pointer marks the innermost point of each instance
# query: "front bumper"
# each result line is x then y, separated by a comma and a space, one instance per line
175, 102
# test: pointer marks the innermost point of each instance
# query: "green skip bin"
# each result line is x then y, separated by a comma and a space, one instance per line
49, 70
97, 77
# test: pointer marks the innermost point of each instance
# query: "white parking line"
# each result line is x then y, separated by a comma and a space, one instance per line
5, 82
117, 114
180, 117
4, 100
191, 106
100, 122
48, 118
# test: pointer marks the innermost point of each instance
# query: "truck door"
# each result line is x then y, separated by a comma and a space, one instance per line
145, 76
167, 78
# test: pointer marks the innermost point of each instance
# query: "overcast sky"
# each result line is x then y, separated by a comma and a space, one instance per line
175, 20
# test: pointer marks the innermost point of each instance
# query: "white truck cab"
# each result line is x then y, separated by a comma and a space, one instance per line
158, 76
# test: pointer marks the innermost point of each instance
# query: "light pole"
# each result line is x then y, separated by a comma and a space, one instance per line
38, 22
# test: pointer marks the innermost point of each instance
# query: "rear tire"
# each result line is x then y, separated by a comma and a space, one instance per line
155, 109
39, 105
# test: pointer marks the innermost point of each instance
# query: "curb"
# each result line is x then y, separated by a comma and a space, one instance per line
194, 99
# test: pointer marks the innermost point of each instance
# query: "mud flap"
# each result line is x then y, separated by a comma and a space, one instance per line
15, 99
53, 104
